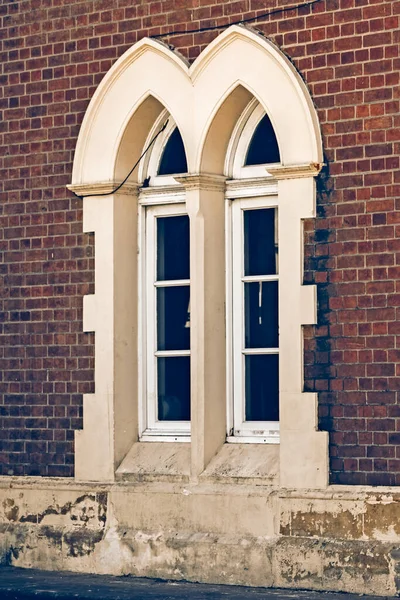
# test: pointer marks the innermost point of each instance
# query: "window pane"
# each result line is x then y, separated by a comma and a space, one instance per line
173, 159
173, 318
262, 387
261, 314
173, 248
173, 378
260, 242
263, 147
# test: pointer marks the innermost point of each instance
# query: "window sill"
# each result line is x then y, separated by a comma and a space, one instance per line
156, 461
244, 463
252, 439
165, 437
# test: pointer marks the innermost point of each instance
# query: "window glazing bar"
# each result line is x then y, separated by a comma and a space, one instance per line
172, 283
257, 278
247, 351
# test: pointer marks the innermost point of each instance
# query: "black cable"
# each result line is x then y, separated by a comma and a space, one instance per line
130, 172
249, 20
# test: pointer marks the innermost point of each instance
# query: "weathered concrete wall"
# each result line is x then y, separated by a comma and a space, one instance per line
342, 539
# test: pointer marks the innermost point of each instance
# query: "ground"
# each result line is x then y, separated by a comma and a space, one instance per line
26, 584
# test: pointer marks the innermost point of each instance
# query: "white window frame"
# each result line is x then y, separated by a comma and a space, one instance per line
150, 428
240, 141
162, 197
239, 430
251, 187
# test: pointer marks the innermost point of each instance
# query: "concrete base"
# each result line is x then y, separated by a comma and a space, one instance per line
341, 539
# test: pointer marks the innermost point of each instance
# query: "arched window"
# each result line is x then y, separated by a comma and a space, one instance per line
166, 157
263, 147
165, 265
173, 159
253, 144
253, 283
238, 217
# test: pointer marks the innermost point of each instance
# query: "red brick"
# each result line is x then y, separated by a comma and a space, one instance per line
347, 55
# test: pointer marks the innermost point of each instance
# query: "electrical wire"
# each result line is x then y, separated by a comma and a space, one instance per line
130, 172
241, 22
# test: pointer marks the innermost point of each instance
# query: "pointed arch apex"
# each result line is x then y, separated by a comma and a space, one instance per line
240, 53
194, 94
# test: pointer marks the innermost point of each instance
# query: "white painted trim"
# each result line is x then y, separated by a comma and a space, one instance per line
251, 188
240, 142
229, 317
269, 437
151, 161
142, 330
153, 427
241, 427
158, 436
171, 194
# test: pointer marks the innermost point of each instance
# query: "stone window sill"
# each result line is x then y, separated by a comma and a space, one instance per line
234, 463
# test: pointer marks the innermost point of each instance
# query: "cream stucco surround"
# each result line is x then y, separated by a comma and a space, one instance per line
206, 100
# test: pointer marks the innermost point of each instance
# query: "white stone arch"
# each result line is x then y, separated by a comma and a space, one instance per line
205, 100
239, 56
147, 69
193, 95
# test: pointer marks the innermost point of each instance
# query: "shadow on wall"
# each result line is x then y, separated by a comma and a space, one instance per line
319, 370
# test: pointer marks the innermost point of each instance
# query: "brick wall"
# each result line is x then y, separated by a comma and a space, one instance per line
53, 55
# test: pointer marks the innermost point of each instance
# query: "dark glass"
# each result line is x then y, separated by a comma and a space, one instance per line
173, 159
173, 377
173, 318
260, 251
262, 387
261, 314
263, 147
173, 255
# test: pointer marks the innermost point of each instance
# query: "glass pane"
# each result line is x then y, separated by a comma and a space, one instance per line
173, 248
173, 378
260, 242
263, 147
262, 387
173, 318
261, 314
173, 159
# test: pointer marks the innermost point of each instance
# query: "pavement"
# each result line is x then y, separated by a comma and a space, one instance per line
32, 584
